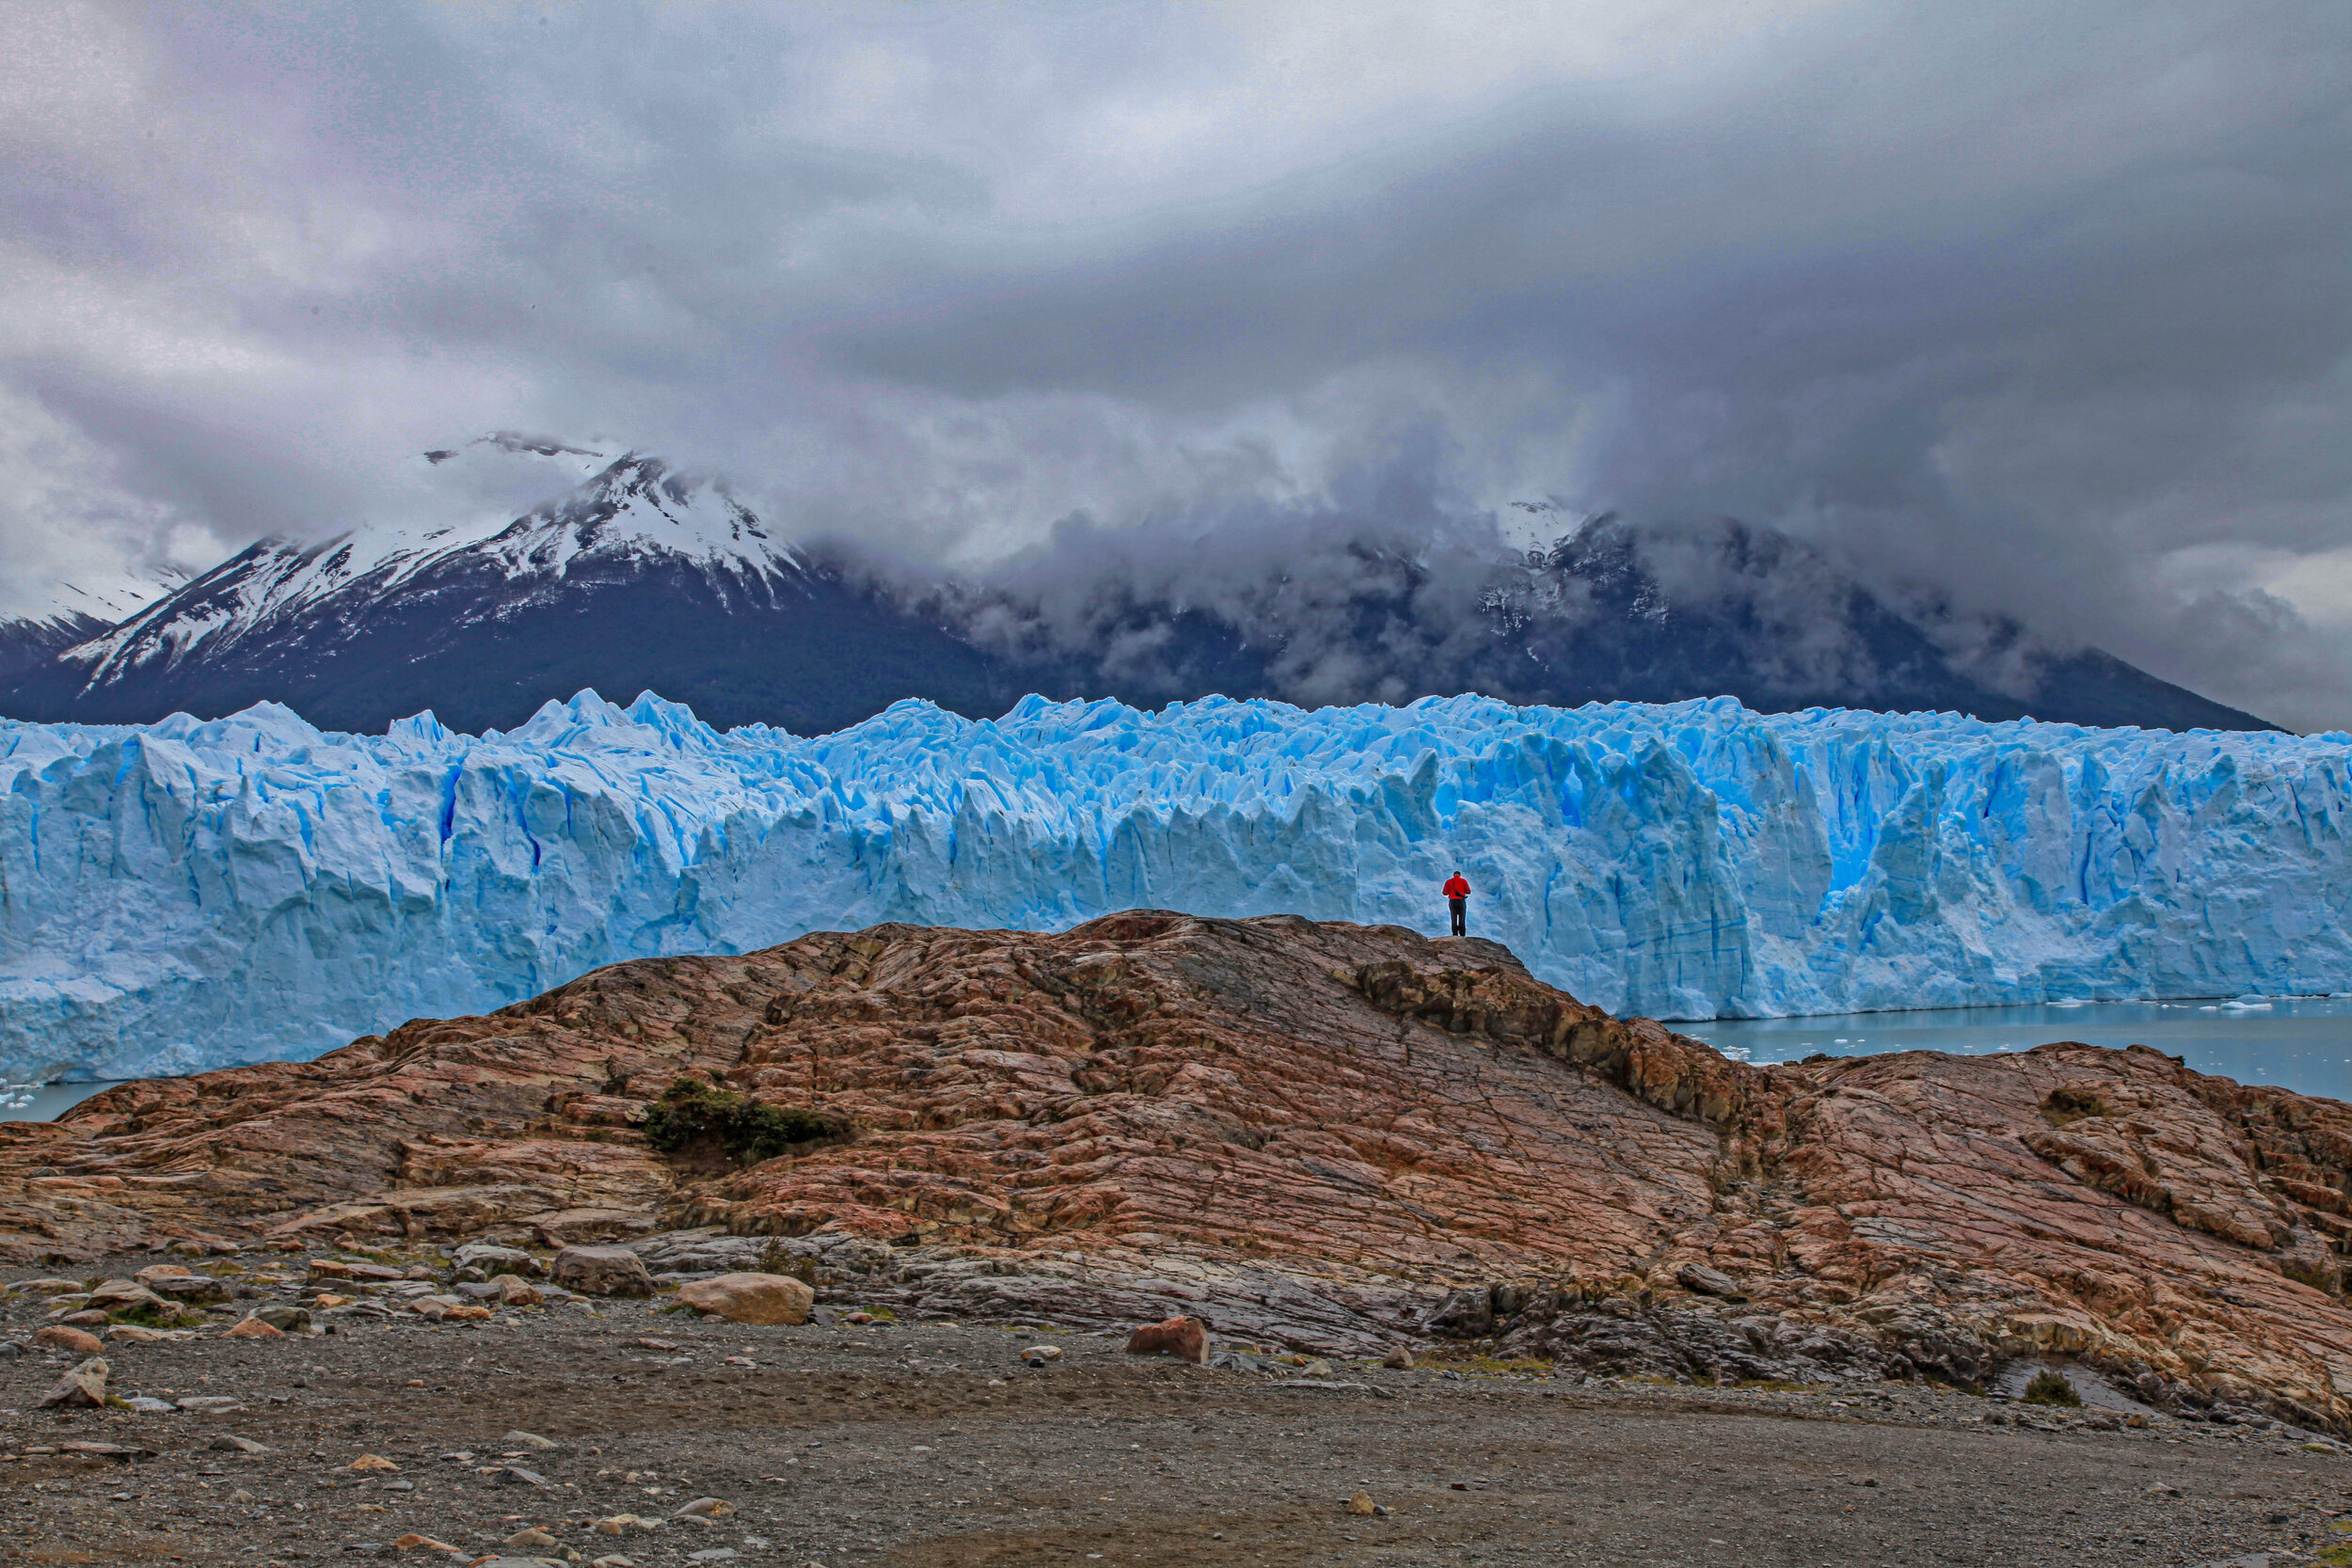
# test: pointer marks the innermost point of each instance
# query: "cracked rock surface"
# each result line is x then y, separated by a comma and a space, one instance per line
1329, 1137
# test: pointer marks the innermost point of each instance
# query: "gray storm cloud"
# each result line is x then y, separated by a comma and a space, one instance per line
2035, 309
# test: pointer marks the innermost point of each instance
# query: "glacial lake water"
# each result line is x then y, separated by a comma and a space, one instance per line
2301, 1043
46, 1102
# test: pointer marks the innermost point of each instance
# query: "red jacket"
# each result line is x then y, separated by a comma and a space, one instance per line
1456, 888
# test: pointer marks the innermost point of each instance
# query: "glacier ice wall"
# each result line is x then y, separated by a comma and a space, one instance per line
184, 895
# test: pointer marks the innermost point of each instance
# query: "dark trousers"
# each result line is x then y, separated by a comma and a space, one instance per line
1461, 912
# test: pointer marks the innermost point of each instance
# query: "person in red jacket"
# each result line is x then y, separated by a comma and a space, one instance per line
1458, 899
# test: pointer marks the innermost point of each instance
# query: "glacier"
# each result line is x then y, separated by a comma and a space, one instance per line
185, 895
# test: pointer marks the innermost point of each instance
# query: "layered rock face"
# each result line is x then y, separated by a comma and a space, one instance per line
1340, 1136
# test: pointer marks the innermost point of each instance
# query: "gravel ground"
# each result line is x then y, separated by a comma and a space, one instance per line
935, 1446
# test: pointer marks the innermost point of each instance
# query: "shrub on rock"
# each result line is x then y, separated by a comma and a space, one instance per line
2049, 1388
692, 1116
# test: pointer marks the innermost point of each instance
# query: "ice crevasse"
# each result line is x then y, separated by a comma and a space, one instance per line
190, 895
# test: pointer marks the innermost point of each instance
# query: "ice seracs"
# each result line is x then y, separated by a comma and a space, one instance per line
185, 895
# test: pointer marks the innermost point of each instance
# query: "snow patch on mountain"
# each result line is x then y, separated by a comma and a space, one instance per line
183, 896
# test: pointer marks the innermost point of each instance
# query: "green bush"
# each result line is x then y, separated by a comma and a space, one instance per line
694, 1115
2049, 1388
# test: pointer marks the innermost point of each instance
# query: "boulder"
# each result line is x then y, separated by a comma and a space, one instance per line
514, 1292
190, 1288
492, 1259
763, 1299
154, 1272
255, 1328
602, 1271
1185, 1338
285, 1319
83, 1385
125, 1296
1708, 1282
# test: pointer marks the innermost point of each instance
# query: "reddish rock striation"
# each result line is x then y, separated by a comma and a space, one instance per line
1340, 1136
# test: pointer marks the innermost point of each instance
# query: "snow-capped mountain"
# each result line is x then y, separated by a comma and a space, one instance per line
635, 514
639, 576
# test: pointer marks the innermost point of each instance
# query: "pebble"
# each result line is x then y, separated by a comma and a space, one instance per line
705, 1508
529, 1536
530, 1440
372, 1461
229, 1443
413, 1543
147, 1407
1038, 1355
106, 1451
621, 1524
211, 1404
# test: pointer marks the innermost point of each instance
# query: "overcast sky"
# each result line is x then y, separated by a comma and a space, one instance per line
2049, 306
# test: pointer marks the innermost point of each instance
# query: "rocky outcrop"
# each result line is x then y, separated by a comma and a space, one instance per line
1338, 1138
